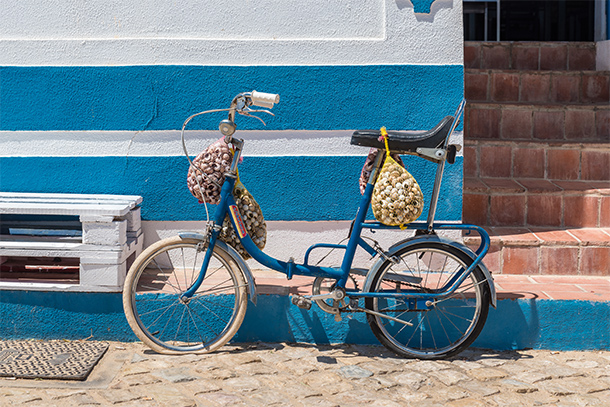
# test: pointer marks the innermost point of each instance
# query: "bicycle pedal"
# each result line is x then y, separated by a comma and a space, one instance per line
301, 302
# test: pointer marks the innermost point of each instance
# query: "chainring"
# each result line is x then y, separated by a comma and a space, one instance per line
323, 285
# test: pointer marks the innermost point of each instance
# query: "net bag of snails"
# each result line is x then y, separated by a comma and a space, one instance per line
207, 174
252, 217
367, 168
397, 198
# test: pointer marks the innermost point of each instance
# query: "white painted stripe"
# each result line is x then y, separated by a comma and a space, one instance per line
331, 32
167, 143
292, 239
65, 52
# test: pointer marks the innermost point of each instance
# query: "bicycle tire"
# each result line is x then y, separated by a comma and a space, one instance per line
166, 323
443, 329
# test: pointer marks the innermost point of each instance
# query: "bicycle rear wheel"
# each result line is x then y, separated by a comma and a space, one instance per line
441, 328
169, 324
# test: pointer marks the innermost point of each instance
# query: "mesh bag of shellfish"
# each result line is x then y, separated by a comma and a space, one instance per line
397, 198
205, 181
253, 219
367, 168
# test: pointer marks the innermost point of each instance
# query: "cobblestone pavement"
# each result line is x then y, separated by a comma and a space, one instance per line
307, 375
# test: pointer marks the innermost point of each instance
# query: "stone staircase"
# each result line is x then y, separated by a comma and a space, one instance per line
537, 156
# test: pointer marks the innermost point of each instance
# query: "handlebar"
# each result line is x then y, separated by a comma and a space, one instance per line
264, 99
241, 105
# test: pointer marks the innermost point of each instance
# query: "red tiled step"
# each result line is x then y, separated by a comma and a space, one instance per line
536, 203
547, 251
588, 162
506, 121
508, 286
552, 287
555, 56
533, 87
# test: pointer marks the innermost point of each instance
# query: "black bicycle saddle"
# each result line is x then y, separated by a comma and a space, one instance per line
405, 140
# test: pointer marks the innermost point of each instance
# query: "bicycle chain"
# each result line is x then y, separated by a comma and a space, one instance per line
345, 309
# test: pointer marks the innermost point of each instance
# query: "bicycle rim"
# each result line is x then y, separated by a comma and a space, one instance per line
170, 324
440, 329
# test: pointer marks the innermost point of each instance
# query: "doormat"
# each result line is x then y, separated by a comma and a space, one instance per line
56, 360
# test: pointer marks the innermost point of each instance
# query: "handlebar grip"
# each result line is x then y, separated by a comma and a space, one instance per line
264, 99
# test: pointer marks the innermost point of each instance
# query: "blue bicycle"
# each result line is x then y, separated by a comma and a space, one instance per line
425, 297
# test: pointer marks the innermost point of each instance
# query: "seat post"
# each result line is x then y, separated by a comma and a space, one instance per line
435, 192
441, 168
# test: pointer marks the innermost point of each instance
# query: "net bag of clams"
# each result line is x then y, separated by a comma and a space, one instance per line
253, 219
367, 168
207, 174
397, 198
205, 179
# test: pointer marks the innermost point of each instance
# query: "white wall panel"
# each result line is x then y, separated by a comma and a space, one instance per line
263, 32
192, 19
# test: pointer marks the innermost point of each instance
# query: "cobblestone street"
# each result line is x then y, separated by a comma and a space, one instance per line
342, 375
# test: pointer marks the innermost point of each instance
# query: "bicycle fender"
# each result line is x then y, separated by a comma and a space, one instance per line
241, 263
432, 238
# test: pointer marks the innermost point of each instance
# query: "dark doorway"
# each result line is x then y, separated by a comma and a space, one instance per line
530, 20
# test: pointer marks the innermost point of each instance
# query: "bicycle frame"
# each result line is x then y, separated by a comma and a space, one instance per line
228, 206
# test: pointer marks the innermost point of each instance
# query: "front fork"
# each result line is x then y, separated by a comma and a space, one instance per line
219, 216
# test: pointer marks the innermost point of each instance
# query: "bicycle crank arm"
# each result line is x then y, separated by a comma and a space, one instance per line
305, 301
381, 315
321, 297
336, 294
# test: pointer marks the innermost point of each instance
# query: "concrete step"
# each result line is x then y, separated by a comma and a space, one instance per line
537, 122
547, 251
542, 56
533, 87
536, 203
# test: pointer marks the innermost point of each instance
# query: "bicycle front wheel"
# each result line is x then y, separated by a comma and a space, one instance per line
441, 327
168, 323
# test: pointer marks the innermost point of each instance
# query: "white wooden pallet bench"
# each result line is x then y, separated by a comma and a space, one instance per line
103, 231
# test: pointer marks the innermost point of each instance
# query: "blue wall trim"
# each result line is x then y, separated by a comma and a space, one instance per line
515, 324
422, 6
287, 188
161, 97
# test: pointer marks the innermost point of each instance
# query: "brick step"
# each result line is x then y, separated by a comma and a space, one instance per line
537, 122
536, 202
551, 161
563, 87
542, 56
546, 251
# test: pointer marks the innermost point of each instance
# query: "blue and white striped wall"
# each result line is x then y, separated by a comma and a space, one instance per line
92, 95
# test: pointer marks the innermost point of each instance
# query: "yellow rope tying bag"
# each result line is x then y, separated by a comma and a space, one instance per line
397, 198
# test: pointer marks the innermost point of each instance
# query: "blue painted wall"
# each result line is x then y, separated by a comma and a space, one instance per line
515, 324
287, 188
161, 97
